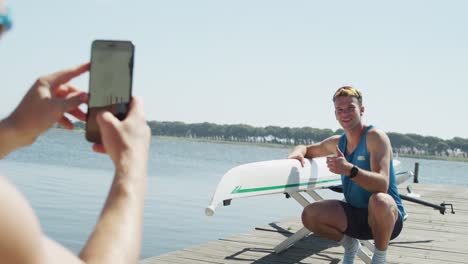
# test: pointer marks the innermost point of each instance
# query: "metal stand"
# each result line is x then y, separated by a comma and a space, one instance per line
303, 232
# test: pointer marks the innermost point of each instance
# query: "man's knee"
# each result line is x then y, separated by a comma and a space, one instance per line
310, 216
382, 205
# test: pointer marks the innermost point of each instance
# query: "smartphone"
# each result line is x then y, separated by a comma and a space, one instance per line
110, 82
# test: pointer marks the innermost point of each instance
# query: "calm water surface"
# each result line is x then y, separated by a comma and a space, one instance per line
66, 183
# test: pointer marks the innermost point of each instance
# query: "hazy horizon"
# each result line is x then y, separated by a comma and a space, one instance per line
260, 62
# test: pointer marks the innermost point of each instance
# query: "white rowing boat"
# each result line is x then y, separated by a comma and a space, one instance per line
276, 176
269, 177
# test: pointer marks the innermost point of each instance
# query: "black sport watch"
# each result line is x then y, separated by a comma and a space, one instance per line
353, 173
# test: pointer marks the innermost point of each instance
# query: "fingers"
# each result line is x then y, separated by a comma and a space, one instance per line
300, 158
78, 114
69, 98
65, 123
99, 148
72, 101
337, 164
65, 89
332, 163
61, 77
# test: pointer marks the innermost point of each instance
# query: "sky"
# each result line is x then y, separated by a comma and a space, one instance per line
260, 62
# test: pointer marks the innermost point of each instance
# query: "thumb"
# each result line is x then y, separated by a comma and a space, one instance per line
106, 121
338, 152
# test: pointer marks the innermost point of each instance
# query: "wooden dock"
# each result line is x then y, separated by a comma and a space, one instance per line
428, 237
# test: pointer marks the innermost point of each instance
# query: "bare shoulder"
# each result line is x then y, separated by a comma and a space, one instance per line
377, 136
378, 143
22, 240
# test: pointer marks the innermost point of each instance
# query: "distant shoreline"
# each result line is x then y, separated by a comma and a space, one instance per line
274, 145
429, 157
410, 145
269, 145
285, 146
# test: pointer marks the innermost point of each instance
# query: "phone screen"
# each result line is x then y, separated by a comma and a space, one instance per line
110, 82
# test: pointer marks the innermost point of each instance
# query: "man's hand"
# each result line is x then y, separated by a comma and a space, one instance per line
44, 104
126, 141
338, 164
297, 155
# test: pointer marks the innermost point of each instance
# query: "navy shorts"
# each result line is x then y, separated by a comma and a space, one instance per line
358, 226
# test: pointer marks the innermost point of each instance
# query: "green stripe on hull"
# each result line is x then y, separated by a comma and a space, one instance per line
239, 189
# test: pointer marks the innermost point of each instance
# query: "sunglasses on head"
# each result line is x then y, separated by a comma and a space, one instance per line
347, 91
5, 19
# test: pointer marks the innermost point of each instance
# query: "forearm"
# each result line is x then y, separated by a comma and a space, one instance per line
8, 138
117, 235
371, 181
13, 136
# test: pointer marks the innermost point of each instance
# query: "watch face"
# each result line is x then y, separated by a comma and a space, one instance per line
354, 172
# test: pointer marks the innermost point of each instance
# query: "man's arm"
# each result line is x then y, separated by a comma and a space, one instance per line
380, 151
377, 179
321, 149
45, 104
117, 236
7, 138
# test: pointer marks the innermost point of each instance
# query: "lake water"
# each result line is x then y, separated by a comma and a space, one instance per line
66, 183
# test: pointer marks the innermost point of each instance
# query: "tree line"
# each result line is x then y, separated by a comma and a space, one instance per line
412, 144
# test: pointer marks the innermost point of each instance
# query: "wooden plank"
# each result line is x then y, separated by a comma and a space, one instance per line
427, 237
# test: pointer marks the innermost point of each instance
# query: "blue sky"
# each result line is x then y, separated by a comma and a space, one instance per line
262, 62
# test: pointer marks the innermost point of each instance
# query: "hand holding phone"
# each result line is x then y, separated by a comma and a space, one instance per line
126, 142
110, 82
